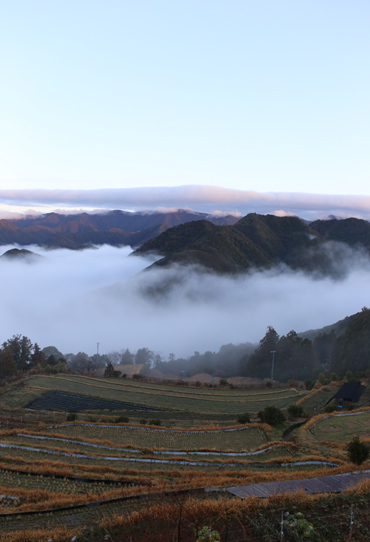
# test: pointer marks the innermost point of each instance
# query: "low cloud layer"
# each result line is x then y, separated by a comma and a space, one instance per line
200, 198
73, 300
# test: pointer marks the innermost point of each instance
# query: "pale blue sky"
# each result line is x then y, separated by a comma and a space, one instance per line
263, 95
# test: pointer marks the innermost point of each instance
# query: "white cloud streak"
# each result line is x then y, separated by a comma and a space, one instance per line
75, 299
200, 198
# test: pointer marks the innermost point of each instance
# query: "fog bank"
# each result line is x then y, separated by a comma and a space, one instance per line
73, 300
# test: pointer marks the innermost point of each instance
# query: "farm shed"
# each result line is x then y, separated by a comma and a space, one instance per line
350, 391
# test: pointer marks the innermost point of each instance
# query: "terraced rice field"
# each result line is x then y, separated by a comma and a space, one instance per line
68, 402
174, 398
246, 439
342, 428
55, 468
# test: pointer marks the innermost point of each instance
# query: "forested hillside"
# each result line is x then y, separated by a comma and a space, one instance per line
262, 242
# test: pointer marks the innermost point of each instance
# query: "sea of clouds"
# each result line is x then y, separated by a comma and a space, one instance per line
75, 299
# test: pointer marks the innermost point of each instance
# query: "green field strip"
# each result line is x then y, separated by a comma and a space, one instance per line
341, 428
74, 442
226, 406
113, 458
248, 439
177, 395
168, 388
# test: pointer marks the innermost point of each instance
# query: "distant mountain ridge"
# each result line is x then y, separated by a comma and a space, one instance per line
262, 242
117, 228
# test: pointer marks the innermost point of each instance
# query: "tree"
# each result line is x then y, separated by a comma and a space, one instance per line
110, 371
295, 411
21, 349
115, 357
358, 451
38, 357
127, 357
272, 415
7, 364
260, 361
296, 358
52, 351
143, 355
82, 363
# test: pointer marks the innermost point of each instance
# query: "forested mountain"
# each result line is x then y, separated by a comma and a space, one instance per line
21, 254
115, 228
351, 351
261, 242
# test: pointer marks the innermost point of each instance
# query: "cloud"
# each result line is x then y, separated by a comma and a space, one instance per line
200, 198
74, 299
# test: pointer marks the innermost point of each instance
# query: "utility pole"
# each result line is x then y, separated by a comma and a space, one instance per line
273, 352
97, 349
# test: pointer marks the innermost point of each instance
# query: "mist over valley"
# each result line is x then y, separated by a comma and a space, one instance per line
74, 299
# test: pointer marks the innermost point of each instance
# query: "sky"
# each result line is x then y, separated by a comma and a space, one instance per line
169, 103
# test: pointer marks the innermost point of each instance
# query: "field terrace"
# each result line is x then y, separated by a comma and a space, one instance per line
51, 466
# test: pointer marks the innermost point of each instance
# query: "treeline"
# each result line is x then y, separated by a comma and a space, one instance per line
295, 358
18, 355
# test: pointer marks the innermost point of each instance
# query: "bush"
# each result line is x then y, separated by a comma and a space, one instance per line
223, 382
121, 419
71, 417
143, 421
155, 422
323, 380
358, 451
272, 415
331, 408
137, 376
244, 418
207, 535
295, 411
309, 384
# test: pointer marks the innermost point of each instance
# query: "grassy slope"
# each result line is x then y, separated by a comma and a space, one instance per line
166, 397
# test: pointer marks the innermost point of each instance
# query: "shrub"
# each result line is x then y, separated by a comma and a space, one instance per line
121, 419
295, 411
71, 417
143, 421
323, 380
137, 376
358, 451
223, 382
207, 535
272, 415
309, 384
244, 418
331, 408
155, 422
